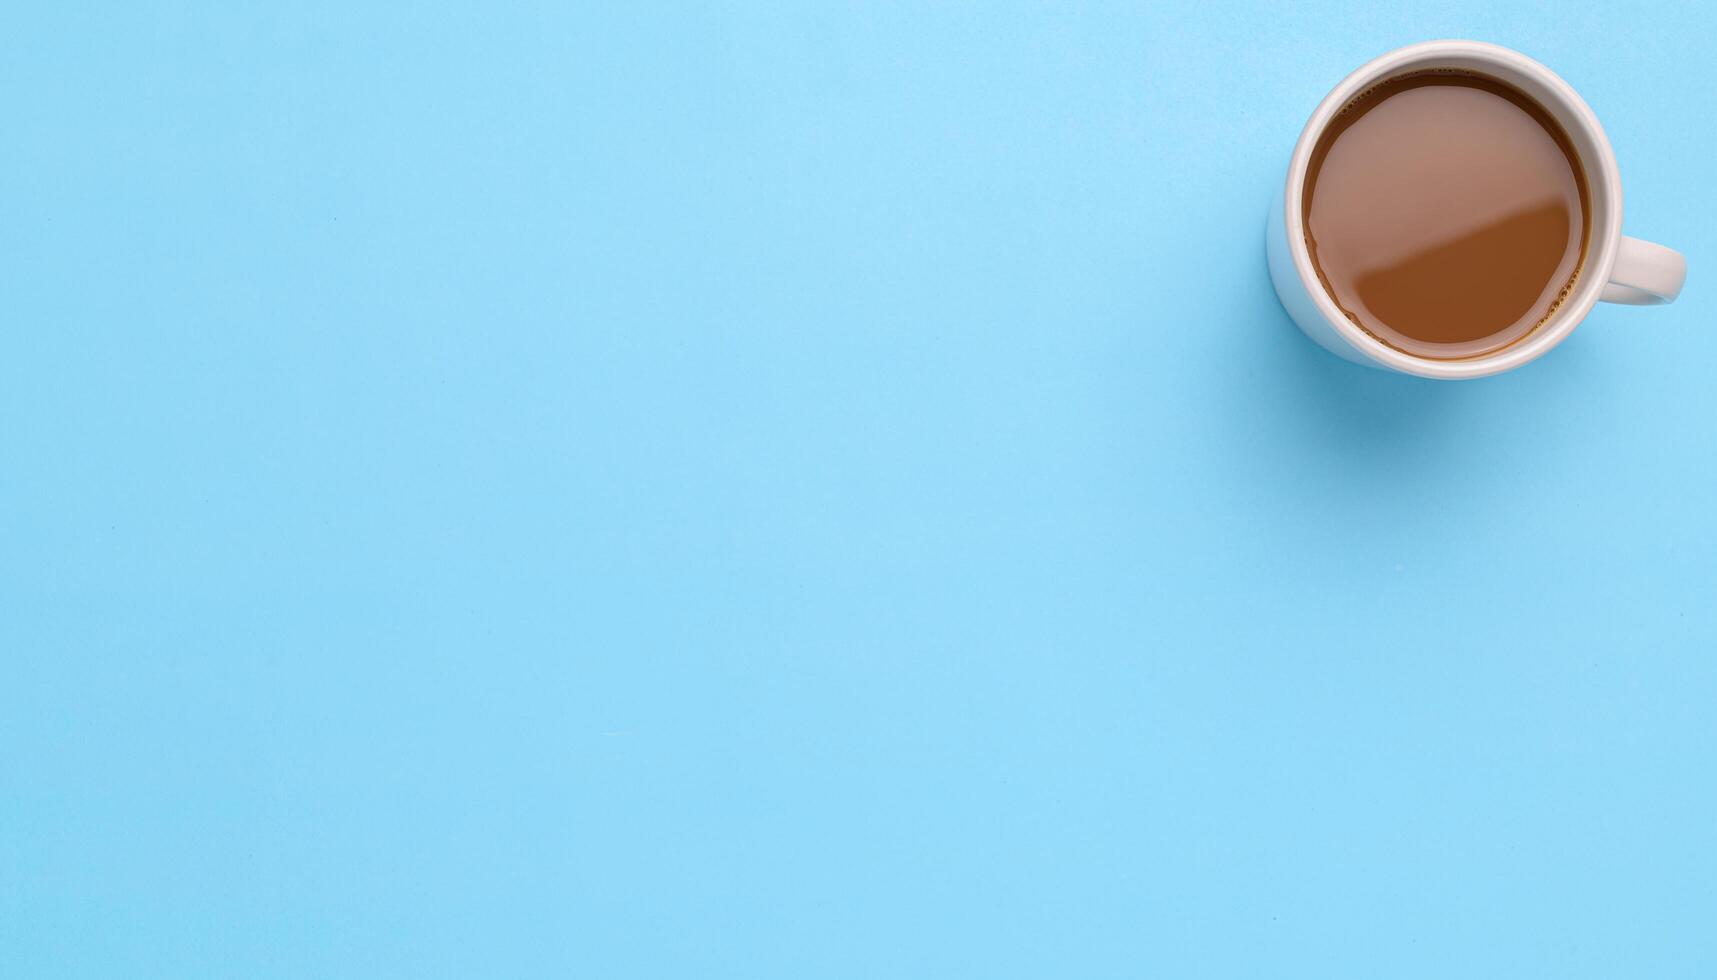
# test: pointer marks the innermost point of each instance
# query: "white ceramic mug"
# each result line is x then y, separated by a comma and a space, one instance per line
1618, 269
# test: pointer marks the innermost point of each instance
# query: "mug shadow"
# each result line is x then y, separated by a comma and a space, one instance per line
1317, 436
1346, 409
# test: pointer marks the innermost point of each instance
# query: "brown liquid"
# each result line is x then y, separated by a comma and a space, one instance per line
1446, 214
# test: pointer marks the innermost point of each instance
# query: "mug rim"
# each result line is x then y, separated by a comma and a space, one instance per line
1604, 192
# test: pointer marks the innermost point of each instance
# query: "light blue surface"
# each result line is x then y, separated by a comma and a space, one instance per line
818, 490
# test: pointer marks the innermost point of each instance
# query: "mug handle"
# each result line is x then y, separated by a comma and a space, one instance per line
1645, 274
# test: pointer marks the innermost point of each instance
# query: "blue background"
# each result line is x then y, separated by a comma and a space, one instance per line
817, 490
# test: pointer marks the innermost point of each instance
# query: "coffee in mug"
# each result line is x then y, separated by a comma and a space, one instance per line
1445, 212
